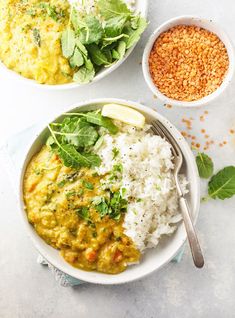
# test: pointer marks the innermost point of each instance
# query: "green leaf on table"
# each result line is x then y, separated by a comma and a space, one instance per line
111, 8
84, 75
205, 165
76, 59
68, 42
222, 184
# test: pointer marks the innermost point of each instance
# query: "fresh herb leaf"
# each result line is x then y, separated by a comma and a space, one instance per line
36, 37
68, 42
97, 56
83, 213
79, 136
121, 49
205, 165
93, 159
61, 183
76, 59
113, 207
84, 75
112, 8
115, 25
115, 152
98, 143
90, 30
71, 157
134, 35
88, 185
98, 119
222, 184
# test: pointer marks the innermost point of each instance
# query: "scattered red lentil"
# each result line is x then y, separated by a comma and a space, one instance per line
206, 112
198, 145
232, 131
224, 142
206, 136
202, 118
187, 62
203, 131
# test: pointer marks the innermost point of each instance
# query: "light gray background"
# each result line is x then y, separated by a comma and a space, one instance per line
179, 290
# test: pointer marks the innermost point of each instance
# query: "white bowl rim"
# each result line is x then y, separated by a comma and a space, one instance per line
170, 23
104, 72
84, 275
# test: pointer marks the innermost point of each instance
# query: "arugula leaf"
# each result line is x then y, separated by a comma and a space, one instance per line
90, 30
98, 143
97, 56
134, 35
115, 25
121, 49
76, 59
81, 47
84, 75
71, 157
205, 165
93, 159
98, 119
81, 136
68, 42
222, 185
111, 8
37, 37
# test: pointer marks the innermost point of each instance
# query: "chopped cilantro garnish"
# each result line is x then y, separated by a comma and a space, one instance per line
88, 185
115, 152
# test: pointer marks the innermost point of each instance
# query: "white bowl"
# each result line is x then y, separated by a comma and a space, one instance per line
153, 259
203, 23
141, 7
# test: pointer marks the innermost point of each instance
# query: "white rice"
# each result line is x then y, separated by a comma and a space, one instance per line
148, 179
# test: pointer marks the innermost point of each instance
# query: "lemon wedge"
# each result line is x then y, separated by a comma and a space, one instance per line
123, 113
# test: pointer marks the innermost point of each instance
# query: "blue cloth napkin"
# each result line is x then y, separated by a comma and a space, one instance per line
12, 153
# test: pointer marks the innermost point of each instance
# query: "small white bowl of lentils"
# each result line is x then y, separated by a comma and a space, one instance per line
188, 61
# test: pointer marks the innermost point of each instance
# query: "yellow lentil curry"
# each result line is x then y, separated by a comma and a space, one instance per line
57, 199
30, 32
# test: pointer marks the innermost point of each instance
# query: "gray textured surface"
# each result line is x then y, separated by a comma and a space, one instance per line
179, 290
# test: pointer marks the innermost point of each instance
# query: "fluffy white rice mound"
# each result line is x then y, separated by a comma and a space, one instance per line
148, 181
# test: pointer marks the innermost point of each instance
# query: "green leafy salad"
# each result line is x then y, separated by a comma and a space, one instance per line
77, 137
99, 37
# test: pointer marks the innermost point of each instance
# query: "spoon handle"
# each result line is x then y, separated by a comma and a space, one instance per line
192, 236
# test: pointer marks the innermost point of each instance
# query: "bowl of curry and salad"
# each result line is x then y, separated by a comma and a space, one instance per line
65, 44
98, 195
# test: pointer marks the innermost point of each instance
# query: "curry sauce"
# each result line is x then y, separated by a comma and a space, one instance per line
30, 32
57, 201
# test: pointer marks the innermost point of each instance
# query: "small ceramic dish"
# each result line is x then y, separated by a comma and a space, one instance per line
203, 23
141, 6
153, 259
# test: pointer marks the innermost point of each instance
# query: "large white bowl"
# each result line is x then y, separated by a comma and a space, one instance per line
141, 7
153, 259
200, 22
